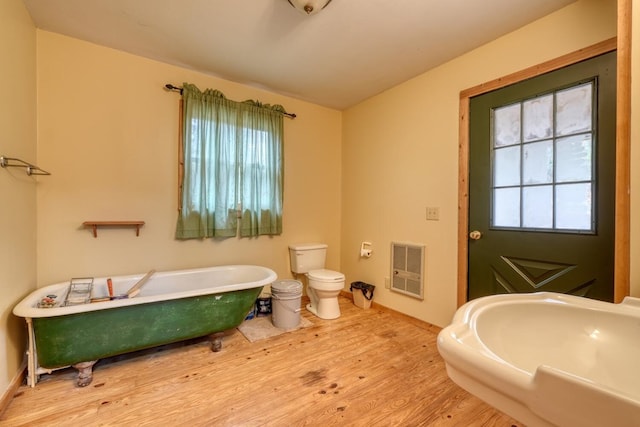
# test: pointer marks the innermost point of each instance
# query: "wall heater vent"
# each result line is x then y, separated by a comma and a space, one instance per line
407, 269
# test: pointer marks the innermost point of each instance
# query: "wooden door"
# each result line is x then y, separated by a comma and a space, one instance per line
542, 184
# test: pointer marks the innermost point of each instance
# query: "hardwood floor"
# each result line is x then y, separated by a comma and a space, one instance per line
367, 368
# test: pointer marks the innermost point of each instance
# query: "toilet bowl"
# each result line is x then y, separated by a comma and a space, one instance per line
323, 289
323, 286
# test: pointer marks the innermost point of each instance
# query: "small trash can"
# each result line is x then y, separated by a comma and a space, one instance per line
285, 303
263, 304
362, 294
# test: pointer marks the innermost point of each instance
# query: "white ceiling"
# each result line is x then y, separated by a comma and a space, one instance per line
348, 52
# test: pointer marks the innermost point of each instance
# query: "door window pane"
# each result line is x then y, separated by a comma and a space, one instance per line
506, 207
573, 206
573, 111
506, 125
543, 170
507, 166
537, 162
537, 207
574, 158
537, 117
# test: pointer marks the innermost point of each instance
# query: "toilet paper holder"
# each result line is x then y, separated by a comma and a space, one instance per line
366, 249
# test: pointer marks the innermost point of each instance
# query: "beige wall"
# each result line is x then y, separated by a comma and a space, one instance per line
18, 191
400, 155
107, 131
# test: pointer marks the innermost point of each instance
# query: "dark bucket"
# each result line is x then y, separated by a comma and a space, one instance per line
263, 306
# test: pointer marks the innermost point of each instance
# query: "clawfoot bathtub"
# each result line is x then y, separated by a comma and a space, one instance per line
549, 359
171, 306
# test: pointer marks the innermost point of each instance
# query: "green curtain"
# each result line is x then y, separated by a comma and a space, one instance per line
233, 166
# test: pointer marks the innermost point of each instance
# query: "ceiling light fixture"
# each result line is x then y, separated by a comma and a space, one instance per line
309, 7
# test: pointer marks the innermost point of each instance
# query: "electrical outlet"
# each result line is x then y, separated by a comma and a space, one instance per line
387, 283
433, 214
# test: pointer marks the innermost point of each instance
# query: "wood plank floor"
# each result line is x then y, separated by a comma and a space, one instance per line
367, 368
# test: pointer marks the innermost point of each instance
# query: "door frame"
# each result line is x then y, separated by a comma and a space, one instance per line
622, 44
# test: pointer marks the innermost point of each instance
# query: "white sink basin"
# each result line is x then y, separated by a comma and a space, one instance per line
549, 359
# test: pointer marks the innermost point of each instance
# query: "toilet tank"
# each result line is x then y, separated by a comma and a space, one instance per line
307, 256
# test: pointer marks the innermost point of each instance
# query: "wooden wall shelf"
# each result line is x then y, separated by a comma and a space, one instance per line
95, 224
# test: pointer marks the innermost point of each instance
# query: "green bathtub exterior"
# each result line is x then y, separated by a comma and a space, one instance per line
92, 335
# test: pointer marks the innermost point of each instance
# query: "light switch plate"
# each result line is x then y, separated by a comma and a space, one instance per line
433, 214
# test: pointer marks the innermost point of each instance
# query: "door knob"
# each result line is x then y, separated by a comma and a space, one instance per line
475, 235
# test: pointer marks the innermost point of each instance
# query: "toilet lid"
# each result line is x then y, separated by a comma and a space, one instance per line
326, 275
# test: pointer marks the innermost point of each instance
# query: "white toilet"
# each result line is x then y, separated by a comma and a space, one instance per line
324, 286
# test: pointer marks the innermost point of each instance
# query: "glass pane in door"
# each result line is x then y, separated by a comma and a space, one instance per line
506, 125
574, 158
574, 110
537, 162
537, 207
537, 115
573, 207
506, 207
507, 166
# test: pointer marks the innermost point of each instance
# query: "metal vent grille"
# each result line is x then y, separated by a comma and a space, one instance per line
407, 269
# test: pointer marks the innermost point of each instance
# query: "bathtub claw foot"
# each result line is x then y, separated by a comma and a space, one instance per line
216, 341
85, 372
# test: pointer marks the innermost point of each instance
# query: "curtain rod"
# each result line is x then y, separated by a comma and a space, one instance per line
173, 88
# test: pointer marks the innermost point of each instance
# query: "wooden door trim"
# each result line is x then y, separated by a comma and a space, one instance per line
622, 226
622, 268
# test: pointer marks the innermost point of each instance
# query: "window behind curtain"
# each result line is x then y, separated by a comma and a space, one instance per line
232, 167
